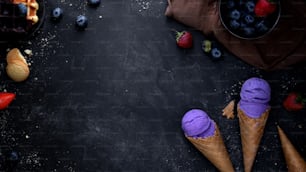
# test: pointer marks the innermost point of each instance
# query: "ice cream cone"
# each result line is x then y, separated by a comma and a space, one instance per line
251, 130
294, 161
204, 134
253, 111
214, 150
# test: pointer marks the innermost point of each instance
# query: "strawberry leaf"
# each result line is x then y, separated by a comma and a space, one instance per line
300, 99
272, 1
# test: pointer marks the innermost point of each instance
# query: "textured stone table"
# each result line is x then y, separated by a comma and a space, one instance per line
111, 98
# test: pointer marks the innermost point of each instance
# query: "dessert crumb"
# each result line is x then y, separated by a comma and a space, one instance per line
228, 111
28, 52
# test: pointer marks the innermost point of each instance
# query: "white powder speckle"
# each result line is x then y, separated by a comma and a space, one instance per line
148, 7
31, 159
28, 52
143, 4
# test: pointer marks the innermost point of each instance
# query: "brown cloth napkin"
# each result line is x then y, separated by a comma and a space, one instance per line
282, 47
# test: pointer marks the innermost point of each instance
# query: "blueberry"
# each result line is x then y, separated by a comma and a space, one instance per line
235, 14
243, 24
248, 31
250, 6
23, 10
216, 53
261, 26
234, 24
244, 13
249, 19
57, 14
94, 3
11, 161
81, 22
13, 156
230, 4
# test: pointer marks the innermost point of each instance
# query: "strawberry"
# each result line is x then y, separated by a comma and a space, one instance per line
184, 39
294, 102
6, 99
264, 7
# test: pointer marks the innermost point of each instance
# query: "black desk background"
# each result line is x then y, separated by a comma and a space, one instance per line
111, 98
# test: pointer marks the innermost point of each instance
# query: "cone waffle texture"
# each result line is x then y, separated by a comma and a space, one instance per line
228, 111
294, 161
17, 68
214, 150
32, 7
251, 130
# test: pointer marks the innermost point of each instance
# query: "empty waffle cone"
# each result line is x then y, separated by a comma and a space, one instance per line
17, 68
214, 150
15, 54
17, 71
294, 161
251, 130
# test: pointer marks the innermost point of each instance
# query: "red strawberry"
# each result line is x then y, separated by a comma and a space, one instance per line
294, 102
264, 7
184, 39
6, 99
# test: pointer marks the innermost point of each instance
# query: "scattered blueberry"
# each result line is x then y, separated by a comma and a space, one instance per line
250, 5
248, 31
11, 161
212, 49
234, 24
216, 53
81, 22
235, 14
13, 156
230, 4
23, 10
249, 19
56, 14
94, 3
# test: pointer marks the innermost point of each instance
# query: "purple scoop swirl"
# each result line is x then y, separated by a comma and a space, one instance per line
255, 96
196, 123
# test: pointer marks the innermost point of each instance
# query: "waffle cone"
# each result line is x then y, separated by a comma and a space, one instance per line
294, 161
214, 150
251, 130
32, 7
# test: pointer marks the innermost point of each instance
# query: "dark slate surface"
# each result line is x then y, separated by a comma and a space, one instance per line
111, 98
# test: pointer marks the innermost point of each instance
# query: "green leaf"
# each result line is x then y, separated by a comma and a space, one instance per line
300, 99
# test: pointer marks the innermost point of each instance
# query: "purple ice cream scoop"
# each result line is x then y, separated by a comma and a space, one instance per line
197, 124
255, 96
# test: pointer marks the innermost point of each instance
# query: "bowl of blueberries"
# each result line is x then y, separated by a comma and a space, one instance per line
239, 17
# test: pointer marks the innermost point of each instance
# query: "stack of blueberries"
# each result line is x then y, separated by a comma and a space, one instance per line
241, 19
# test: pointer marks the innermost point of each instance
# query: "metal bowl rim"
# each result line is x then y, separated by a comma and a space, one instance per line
270, 30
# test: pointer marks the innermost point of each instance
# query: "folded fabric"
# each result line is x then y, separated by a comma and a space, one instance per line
282, 47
